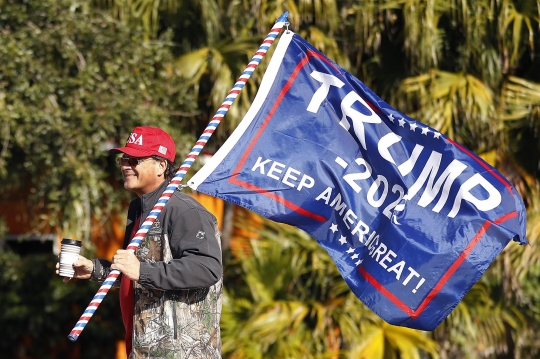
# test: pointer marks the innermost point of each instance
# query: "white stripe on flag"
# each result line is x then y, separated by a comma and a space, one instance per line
262, 94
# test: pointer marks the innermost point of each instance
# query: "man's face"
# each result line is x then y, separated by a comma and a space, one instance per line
142, 177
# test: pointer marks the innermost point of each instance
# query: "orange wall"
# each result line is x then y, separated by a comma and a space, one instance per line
15, 212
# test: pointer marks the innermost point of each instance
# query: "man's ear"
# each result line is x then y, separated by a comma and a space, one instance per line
163, 167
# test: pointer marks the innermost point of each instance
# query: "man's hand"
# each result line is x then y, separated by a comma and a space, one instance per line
83, 269
127, 263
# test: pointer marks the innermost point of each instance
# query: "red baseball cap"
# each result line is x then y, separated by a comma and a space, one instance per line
148, 141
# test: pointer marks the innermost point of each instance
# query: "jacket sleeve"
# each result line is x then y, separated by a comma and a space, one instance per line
196, 249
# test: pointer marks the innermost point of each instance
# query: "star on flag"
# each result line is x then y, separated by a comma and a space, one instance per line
343, 240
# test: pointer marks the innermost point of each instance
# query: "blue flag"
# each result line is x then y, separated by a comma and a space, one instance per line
411, 218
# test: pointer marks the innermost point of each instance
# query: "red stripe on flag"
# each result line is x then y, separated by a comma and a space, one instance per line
278, 199
269, 115
444, 279
371, 280
243, 160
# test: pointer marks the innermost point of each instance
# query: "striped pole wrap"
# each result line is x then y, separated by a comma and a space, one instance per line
182, 170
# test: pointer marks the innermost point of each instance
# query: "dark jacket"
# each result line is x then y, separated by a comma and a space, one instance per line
179, 293
196, 251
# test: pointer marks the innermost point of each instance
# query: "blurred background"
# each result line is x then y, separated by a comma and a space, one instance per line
77, 76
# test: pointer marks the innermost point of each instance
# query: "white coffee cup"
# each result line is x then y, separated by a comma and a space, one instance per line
69, 253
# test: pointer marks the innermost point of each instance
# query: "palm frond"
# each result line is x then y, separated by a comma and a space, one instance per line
457, 104
518, 17
520, 99
423, 37
326, 44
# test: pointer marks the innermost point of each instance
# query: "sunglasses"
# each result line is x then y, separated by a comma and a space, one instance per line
130, 161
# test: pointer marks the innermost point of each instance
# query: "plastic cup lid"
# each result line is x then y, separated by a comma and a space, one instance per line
71, 241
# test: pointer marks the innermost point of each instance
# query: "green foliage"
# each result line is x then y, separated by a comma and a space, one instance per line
39, 311
73, 83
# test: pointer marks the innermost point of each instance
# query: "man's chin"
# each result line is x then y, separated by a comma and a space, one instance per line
129, 185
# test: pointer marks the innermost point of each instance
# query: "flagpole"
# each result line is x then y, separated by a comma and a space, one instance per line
182, 170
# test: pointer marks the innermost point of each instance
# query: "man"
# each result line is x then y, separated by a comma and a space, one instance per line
171, 287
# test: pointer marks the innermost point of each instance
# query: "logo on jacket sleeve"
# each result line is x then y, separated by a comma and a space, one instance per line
156, 228
200, 235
